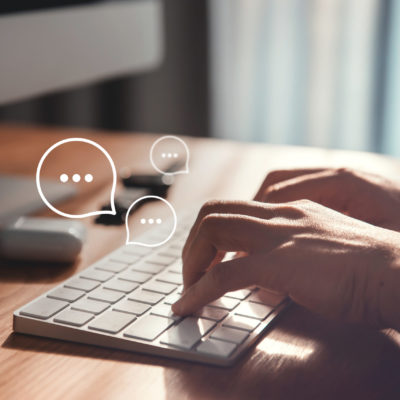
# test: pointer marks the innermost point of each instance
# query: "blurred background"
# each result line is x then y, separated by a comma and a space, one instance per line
305, 72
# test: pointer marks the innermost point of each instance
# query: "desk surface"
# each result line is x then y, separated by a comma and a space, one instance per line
303, 357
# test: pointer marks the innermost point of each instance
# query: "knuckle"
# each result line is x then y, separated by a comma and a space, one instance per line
292, 211
209, 222
274, 175
300, 204
271, 194
304, 203
211, 206
344, 172
286, 248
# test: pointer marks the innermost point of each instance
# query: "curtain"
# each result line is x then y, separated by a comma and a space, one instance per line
307, 72
391, 115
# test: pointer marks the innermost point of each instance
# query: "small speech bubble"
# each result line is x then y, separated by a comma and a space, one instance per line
169, 155
162, 228
74, 177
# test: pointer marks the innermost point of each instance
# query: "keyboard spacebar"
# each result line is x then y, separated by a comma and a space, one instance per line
187, 333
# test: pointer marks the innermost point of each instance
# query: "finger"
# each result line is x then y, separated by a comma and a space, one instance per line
222, 278
233, 275
327, 188
227, 207
276, 176
227, 232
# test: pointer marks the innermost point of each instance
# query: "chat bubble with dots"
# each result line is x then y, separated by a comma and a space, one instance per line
65, 161
169, 155
161, 219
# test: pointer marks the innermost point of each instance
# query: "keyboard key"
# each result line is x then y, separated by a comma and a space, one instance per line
243, 323
164, 310
171, 252
180, 289
67, 294
170, 277
239, 294
146, 297
44, 308
148, 268
162, 259
212, 313
112, 321
253, 310
187, 333
72, 317
121, 285
132, 307
92, 306
96, 275
159, 287
216, 348
135, 276
225, 303
229, 335
124, 258
107, 295
148, 327
137, 250
265, 297
83, 284
111, 266
176, 267
172, 298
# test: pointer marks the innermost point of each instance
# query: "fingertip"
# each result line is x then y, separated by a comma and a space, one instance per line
178, 308
184, 305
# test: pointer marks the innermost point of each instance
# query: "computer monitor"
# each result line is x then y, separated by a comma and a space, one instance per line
52, 45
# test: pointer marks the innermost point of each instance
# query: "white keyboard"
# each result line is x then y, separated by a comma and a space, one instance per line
123, 301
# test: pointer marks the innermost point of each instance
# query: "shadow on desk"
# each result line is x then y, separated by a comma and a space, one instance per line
303, 357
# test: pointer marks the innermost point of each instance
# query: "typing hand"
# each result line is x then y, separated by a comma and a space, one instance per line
328, 262
364, 196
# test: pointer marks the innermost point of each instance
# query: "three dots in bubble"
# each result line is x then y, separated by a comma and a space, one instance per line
76, 178
151, 221
169, 155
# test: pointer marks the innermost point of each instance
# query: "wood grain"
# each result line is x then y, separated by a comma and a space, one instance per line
303, 357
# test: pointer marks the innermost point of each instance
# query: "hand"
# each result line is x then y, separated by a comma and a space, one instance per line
323, 260
364, 196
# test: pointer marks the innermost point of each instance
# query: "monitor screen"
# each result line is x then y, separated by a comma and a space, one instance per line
50, 45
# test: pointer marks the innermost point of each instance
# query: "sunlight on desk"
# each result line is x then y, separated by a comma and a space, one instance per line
278, 347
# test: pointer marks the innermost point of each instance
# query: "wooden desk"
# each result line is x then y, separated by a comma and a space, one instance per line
303, 357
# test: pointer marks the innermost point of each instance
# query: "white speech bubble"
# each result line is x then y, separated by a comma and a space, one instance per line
112, 193
172, 156
145, 198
